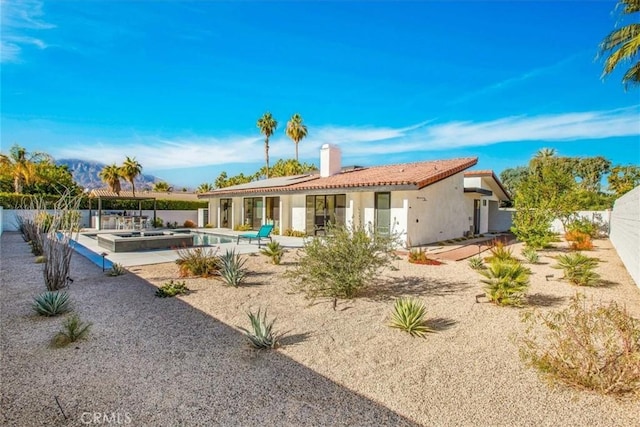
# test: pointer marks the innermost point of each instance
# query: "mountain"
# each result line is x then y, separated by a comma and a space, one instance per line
85, 174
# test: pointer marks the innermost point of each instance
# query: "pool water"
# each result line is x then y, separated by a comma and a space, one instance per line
207, 239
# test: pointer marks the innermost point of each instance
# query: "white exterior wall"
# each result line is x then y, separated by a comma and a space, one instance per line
298, 210
625, 231
500, 219
599, 217
437, 212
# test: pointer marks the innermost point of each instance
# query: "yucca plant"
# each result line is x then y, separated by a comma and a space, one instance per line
73, 330
273, 250
52, 303
171, 289
232, 268
408, 315
531, 255
578, 269
506, 282
500, 252
116, 270
261, 334
476, 263
197, 262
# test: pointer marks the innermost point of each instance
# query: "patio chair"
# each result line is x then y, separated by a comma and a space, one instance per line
263, 233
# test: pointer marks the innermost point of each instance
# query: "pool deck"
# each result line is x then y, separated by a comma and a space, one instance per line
128, 259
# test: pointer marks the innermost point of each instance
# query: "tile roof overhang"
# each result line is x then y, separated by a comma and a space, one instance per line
487, 173
406, 176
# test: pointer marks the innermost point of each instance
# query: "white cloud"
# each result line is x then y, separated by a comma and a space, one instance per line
21, 21
162, 153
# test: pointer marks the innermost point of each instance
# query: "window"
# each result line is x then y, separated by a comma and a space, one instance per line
322, 210
383, 213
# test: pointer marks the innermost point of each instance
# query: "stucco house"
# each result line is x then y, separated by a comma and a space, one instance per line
423, 201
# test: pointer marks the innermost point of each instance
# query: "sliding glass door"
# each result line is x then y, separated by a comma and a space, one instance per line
322, 210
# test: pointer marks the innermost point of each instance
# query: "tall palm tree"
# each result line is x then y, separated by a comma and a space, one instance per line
22, 166
267, 125
161, 186
111, 176
623, 45
205, 187
129, 170
296, 130
545, 153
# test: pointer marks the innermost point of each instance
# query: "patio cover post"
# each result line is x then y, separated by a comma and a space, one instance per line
154, 213
99, 213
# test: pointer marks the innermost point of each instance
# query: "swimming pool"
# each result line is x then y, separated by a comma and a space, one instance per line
209, 239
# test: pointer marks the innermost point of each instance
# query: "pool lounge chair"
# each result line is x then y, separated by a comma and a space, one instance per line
263, 233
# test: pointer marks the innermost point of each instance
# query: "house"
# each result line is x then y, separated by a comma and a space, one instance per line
423, 201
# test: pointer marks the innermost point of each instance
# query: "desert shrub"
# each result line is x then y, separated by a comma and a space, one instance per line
171, 289
418, 256
342, 263
40, 259
116, 270
276, 231
579, 241
476, 262
157, 223
531, 255
189, 224
500, 252
505, 282
408, 315
294, 233
590, 347
73, 330
274, 251
242, 227
583, 225
261, 334
232, 268
200, 261
51, 303
207, 225
578, 269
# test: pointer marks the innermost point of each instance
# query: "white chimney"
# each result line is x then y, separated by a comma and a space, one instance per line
329, 160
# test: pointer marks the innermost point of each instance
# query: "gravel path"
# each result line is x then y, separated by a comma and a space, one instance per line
182, 361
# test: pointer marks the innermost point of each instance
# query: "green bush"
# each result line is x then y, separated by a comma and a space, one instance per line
51, 303
343, 263
578, 269
157, 223
500, 252
242, 227
476, 262
232, 268
583, 225
261, 334
40, 259
73, 330
199, 261
531, 255
116, 270
505, 282
294, 233
171, 289
273, 250
589, 347
408, 315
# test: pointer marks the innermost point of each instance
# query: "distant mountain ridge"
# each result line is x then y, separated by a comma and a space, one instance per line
86, 174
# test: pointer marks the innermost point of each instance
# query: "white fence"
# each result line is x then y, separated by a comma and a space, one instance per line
602, 218
625, 231
8, 221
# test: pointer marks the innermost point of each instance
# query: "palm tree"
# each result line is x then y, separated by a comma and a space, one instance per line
161, 186
22, 166
267, 125
545, 153
296, 130
205, 187
622, 45
129, 170
111, 176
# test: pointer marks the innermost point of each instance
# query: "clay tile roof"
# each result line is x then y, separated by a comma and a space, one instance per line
106, 193
414, 175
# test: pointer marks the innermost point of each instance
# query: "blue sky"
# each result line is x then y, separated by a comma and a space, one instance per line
180, 85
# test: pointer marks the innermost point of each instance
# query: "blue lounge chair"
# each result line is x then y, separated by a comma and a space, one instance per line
264, 233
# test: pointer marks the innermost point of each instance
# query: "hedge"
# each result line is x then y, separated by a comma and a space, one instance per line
18, 201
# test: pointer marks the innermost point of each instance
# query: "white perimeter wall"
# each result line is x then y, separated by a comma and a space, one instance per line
599, 217
500, 219
625, 231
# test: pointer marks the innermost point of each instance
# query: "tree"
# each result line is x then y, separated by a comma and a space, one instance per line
161, 186
111, 175
267, 125
20, 165
623, 179
622, 45
545, 153
590, 171
512, 177
287, 167
296, 130
223, 180
129, 170
205, 187
52, 179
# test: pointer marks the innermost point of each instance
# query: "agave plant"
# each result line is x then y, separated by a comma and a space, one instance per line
116, 270
262, 334
476, 263
531, 255
578, 269
506, 282
408, 315
273, 250
171, 289
52, 303
232, 268
73, 330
